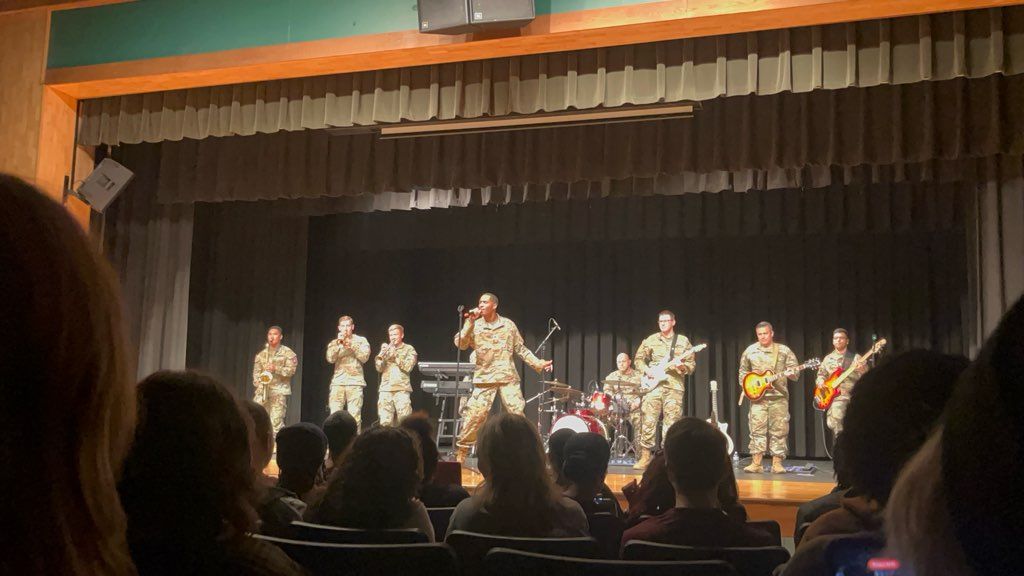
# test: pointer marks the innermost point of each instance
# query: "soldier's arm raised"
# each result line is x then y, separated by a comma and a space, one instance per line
362, 350
332, 351
407, 360
464, 338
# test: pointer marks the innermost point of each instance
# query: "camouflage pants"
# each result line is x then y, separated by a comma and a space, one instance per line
349, 399
392, 407
836, 413
769, 418
277, 406
662, 401
479, 406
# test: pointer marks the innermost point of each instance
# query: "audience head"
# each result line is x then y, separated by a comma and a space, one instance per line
301, 449
262, 444
377, 482
655, 493
893, 409
586, 460
188, 479
696, 458
556, 454
419, 424
517, 490
68, 396
341, 430
954, 509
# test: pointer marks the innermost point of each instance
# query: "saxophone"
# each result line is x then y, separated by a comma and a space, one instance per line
263, 380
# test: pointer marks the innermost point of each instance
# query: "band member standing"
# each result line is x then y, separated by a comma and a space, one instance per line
494, 340
769, 416
395, 361
626, 373
841, 357
665, 401
348, 352
272, 372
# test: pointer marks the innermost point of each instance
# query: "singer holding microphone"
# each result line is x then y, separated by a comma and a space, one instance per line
495, 340
348, 352
395, 361
272, 372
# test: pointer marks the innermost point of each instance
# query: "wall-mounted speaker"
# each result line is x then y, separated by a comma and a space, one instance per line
465, 16
100, 188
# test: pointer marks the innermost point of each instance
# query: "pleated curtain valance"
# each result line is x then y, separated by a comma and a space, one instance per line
970, 44
787, 139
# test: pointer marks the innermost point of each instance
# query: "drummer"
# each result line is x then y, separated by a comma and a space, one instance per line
626, 381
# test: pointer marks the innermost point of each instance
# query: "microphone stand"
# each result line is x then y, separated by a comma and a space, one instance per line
537, 353
458, 382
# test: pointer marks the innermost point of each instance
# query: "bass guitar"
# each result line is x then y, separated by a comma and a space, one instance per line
658, 372
825, 394
722, 426
756, 384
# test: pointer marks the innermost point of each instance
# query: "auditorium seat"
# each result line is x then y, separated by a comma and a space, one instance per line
607, 529
337, 535
439, 519
770, 527
326, 559
471, 547
759, 561
507, 562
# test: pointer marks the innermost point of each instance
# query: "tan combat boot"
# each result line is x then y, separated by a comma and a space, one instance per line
777, 467
644, 460
755, 466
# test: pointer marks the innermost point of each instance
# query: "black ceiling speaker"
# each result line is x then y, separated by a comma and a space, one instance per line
465, 16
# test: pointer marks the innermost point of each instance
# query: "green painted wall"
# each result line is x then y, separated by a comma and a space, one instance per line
155, 28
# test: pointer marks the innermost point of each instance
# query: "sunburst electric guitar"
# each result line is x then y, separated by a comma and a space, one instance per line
658, 372
714, 418
756, 384
825, 394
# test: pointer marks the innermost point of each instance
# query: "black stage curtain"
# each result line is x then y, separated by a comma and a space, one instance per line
885, 262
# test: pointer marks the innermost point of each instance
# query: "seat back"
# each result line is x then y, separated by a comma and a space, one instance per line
325, 559
448, 473
338, 535
471, 547
759, 561
607, 529
439, 519
507, 562
770, 527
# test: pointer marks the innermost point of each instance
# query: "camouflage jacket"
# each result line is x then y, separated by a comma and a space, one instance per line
348, 361
495, 344
758, 359
285, 362
395, 367
654, 349
634, 376
833, 361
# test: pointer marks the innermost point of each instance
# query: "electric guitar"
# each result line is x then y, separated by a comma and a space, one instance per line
756, 384
825, 394
658, 372
714, 418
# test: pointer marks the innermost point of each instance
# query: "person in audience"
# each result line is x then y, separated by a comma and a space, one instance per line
262, 443
188, 484
341, 430
585, 466
68, 407
432, 495
892, 412
954, 510
301, 449
729, 497
697, 464
556, 455
653, 495
517, 496
810, 511
375, 489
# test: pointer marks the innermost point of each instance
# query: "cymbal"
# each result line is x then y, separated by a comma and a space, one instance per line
620, 383
558, 390
554, 382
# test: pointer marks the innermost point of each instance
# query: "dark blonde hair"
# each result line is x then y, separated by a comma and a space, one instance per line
69, 403
517, 490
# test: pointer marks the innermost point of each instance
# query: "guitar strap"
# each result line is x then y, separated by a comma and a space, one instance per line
672, 348
775, 357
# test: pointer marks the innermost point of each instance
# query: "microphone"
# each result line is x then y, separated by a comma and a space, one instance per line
555, 324
471, 312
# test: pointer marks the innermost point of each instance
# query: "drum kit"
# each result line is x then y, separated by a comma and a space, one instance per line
607, 414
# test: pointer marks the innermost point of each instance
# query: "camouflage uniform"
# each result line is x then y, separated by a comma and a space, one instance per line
494, 345
632, 399
275, 396
836, 412
769, 416
347, 383
667, 398
393, 401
